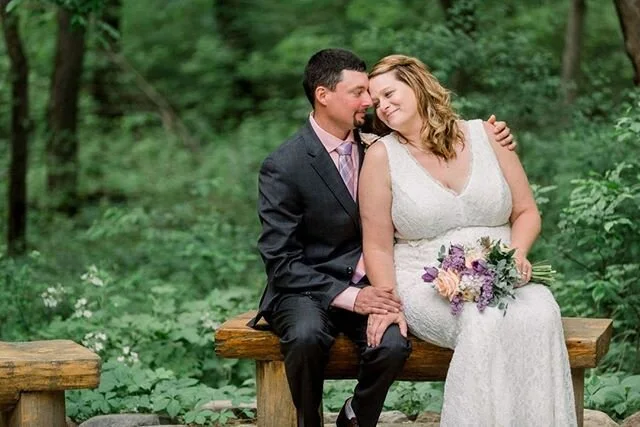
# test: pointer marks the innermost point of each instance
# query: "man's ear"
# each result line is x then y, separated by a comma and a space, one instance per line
321, 94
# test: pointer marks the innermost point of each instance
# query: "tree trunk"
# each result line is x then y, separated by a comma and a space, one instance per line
104, 85
17, 218
629, 16
62, 113
572, 47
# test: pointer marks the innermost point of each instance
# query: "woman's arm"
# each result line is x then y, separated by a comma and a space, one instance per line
374, 195
525, 217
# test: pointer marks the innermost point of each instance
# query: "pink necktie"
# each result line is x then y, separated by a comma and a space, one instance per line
345, 166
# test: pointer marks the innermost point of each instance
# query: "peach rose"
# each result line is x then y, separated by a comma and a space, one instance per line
447, 283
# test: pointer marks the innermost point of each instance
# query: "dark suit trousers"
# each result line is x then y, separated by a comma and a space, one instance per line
307, 332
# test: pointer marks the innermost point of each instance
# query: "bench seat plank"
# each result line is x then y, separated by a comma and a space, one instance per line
47, 366
587, 342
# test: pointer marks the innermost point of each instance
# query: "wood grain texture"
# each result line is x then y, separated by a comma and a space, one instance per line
577, 378
47, 365
39, 409
8, 398
587, 342
275, 407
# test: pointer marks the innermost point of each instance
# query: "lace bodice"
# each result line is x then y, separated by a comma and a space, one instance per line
424, 209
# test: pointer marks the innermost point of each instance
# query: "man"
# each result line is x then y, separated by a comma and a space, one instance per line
311, 244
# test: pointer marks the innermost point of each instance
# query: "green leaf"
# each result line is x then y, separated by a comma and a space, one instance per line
609, 395
620, 408
161, 403
12, 5
173, 408
633, 382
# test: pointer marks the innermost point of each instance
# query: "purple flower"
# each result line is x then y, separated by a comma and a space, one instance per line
479, 266
456, 251
454, 259
430, 274
456, 305
486, 295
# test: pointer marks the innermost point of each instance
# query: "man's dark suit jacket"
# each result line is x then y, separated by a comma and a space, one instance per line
311, 236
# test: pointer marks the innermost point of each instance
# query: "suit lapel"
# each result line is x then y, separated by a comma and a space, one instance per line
322, 163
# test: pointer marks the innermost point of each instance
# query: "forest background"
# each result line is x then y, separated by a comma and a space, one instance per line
131, 133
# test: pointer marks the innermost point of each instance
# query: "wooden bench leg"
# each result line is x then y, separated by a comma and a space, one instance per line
577, 377
275, 406
37, 409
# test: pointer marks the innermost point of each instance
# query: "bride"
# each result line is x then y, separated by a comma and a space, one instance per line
437, 180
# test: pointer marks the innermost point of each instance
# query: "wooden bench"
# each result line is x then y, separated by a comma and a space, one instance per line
587, 342
34, 376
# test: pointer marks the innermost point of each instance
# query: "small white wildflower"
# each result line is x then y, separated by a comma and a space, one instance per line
91, 276
125, 350
134, 357
98, 347
49, 301
81, 303
96, 281
210, 324
120, 359
87, 314
101, 336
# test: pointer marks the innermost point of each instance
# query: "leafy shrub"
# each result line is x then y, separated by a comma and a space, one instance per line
618, 396
125, 388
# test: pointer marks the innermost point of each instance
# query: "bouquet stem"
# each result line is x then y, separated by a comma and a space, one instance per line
543, 273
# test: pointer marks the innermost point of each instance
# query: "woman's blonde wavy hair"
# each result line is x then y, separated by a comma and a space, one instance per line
440, 131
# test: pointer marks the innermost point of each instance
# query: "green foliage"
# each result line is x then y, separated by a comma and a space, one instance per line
117, 320
618, 396
335, 394
133, 388
599, 233
409, 397
17, 293
412, 398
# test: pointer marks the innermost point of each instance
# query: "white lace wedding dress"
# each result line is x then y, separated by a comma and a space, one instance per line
510, 370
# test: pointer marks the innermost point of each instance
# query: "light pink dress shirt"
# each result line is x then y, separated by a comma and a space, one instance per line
347, 298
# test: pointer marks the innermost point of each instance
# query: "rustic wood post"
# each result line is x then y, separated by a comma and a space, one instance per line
40, 408
275, 406
577, 378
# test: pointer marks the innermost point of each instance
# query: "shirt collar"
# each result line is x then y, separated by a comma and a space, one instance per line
329, 141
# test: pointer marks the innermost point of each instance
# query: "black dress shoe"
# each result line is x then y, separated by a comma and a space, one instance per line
343, 421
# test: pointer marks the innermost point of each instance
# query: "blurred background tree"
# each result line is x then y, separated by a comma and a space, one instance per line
139, 129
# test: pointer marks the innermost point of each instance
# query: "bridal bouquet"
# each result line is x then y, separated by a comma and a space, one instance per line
485, 273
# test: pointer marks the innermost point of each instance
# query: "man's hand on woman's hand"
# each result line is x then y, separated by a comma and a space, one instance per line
377, 324
371, 300
502, 133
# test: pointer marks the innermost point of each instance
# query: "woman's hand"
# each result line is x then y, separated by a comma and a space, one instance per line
524, 267
377, 325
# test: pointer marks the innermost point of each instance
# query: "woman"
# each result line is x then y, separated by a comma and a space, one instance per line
436, 180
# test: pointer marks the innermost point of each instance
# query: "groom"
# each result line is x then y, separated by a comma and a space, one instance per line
311, 244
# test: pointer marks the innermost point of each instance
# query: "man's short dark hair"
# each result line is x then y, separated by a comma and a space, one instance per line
325, 69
